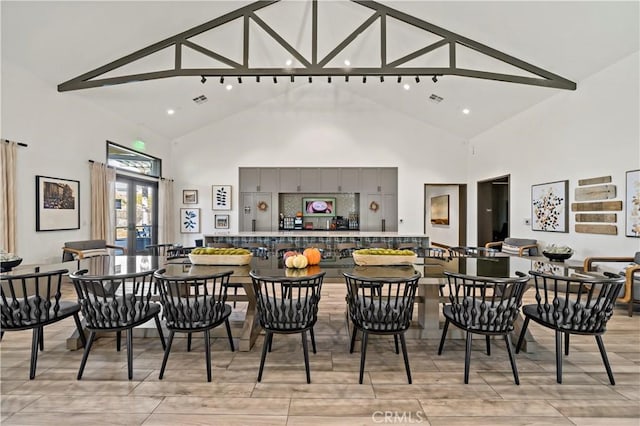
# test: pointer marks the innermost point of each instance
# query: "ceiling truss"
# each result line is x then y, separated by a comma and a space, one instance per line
316, 66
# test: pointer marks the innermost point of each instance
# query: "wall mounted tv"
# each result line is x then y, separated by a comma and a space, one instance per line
319, 206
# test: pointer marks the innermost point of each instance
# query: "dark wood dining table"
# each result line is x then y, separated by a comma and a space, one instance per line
428, 324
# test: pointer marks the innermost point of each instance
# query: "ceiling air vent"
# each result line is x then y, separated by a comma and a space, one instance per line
200, 99
435, 98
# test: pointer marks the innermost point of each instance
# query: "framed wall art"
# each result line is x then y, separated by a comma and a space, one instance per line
632, 206
189, 221
549, 211
189, 196
440, 210
221, 221
221, 197
57, 204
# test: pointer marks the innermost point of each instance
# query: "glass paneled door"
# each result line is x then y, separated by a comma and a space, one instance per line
136, 214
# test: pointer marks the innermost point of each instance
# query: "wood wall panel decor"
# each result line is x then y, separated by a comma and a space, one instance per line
597, 206
597, 229
593, 181
599, 192
596, 217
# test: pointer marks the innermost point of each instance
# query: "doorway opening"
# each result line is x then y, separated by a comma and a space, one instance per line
452, 231
136, 211
493, 209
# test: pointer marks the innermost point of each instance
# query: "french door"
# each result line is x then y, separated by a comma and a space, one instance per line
136, 204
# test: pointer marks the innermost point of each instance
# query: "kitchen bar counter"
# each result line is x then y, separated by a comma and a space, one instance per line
305, 238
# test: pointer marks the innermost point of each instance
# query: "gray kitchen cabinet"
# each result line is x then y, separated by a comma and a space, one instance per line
379, 212
379, 179
349, 179
310, 179
289, 179
252, 219
258, 179
388, 180
330, 179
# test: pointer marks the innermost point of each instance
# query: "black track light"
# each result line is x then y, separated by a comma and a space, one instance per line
434, 79
221, 79
346, 78
257, 79
310, 79
275, 79
329, 79
417, 79
203, 80
381, 79
292, 79
399, 79
239, 80
364, 78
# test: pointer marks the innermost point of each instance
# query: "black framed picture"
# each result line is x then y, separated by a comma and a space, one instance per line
221, 221
57, 204
189, 196
549, 206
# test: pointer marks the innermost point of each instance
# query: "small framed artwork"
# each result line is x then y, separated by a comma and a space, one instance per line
440, 210
189, 196
549, 211
221, 221
221, 196
57, 204
189, 221
632, 209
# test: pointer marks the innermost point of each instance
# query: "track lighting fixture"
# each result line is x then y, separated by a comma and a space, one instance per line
221, 79
292, 79
434, 79
310, 79
203, 80
257, 79
399, 79
239, 80
381, 79
346, 78
364, 78
275, 79
329, 79
417, 79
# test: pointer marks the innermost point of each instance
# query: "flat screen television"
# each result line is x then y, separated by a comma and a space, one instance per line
319, 206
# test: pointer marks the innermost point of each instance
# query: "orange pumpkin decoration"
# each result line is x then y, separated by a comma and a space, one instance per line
313, 255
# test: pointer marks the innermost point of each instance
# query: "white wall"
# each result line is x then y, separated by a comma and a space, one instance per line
311, 131
63, 132
590, 132
443, 234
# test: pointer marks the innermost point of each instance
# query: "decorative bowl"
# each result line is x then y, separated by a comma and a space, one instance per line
557, 257
220, 259
383, 260
8, 265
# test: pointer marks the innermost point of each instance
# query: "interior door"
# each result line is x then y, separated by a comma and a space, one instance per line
254, 219
136, 214
493, 210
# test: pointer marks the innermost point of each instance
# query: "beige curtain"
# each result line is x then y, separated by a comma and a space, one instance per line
166, 213
103, 181
8, 152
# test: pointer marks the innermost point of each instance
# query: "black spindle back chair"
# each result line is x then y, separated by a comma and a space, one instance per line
573, 305
32, 301
483, 305
192, 304
287, 305
115, 303
381, 306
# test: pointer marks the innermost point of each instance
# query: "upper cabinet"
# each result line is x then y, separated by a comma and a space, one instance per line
349, 179
310, 180
329, 179
258, 179
379, 179
289, 179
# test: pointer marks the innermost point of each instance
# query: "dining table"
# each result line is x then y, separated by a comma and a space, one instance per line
428, 324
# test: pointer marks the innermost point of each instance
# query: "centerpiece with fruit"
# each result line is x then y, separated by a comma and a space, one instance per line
382, 256
301, 264
220, 256
557, 253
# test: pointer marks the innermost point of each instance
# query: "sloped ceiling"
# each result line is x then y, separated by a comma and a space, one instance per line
58, 41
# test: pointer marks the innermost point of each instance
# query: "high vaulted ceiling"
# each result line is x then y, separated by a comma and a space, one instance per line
57, 41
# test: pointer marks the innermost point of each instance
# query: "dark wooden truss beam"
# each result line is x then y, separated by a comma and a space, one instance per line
315, 66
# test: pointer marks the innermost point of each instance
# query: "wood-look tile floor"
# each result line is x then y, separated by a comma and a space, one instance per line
437, 396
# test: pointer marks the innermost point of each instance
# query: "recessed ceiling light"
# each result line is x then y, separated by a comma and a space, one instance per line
406, 86
347, 62
466, 111
228, 87
171, 112
289, 62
